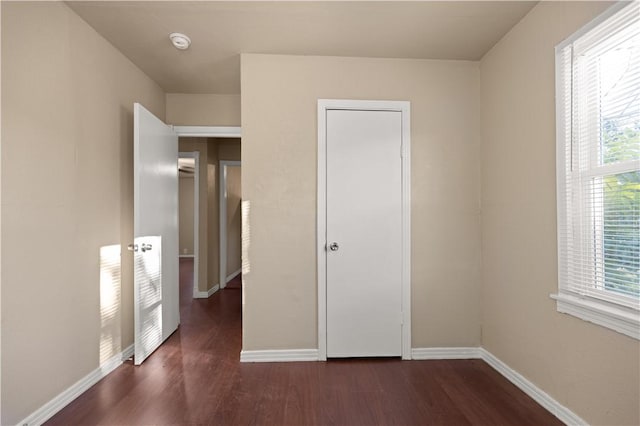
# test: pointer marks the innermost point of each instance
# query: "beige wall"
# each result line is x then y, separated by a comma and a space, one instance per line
186, 203
279, 102
67, 191
591, 370
203, 110
234, 219
228, 148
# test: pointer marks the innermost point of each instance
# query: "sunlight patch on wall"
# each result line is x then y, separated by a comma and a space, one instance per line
110, 281
246, 236
246, 242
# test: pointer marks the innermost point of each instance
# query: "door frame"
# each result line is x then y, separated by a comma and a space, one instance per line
223, 218
321, 214
208, 131
180, 131
231, 132
196, 217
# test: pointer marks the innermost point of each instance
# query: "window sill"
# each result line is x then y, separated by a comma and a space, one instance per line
618, 318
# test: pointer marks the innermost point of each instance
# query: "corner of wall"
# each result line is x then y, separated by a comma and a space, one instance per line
519, 322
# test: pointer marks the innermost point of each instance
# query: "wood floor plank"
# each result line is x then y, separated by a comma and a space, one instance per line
196, 378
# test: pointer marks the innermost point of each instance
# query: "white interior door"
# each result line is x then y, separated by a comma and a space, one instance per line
156, 305
364, 233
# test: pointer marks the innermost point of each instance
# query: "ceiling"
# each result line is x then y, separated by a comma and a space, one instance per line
221, 30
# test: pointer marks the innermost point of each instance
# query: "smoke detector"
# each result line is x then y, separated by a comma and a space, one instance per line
180, 41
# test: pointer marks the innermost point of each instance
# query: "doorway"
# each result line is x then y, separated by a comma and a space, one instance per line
189, 213
363, 229
219, 195
230, 221
156, 235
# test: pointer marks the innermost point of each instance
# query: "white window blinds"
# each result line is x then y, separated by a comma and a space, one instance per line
598, 77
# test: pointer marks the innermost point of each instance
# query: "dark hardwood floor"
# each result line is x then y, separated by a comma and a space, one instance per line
196, 378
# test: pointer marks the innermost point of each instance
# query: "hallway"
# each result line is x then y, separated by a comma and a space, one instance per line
196, 378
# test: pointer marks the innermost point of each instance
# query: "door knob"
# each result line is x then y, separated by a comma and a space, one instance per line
132, 247
146, 247
334, 246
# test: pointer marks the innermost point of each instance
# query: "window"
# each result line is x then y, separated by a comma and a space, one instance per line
598, 171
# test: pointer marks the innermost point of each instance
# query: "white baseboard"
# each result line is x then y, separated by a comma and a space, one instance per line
63, 399
206, 294
528, 387
445, 353
287, 355
234, 274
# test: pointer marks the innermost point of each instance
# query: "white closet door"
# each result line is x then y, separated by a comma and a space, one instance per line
364, 233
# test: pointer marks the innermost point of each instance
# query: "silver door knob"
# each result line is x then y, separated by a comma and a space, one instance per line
334, 246
146, 247
132, 247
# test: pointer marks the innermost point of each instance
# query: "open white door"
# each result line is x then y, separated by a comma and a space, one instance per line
155, 168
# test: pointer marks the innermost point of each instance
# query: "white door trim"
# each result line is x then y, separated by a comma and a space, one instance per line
223, 218
404, 108
196, 217
208, 131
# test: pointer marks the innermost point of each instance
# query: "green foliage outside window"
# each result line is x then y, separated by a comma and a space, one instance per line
621, 211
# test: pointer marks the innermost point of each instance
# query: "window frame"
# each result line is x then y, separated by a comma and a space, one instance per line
603, 311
